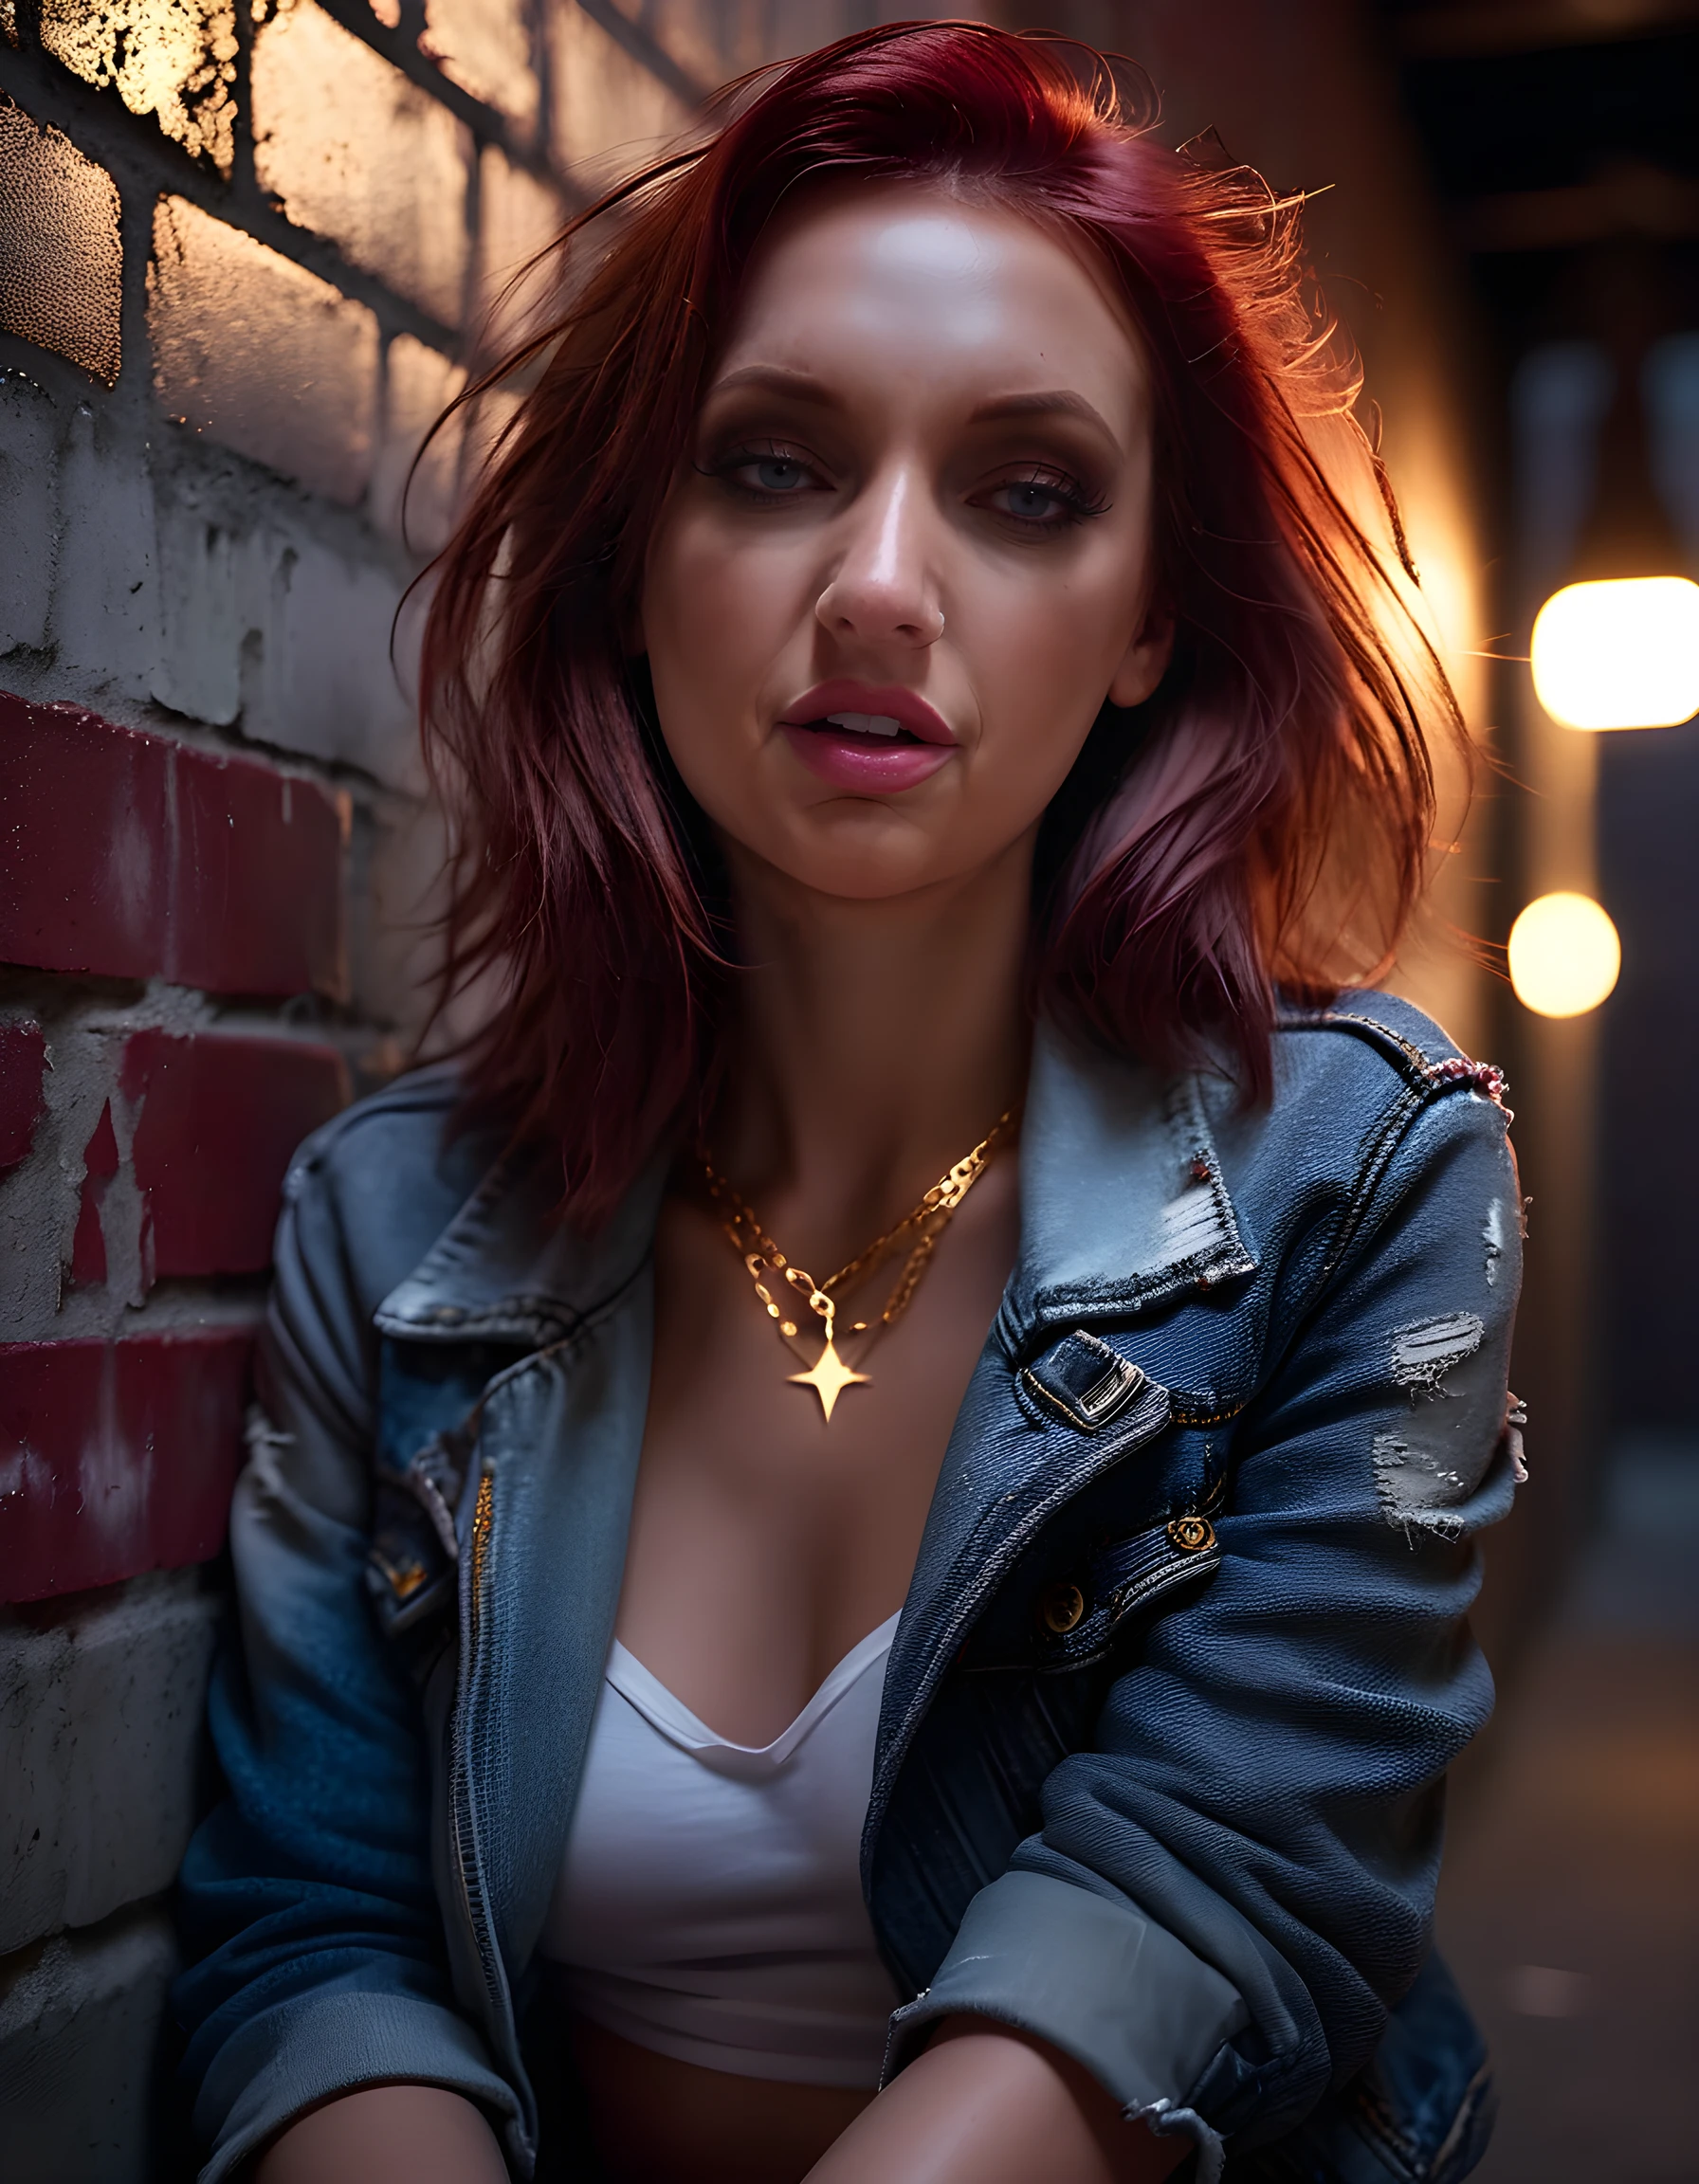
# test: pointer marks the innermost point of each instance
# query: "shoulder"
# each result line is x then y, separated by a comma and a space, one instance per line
1370, 1098
1370, 1062
1367, 1036
373, 1188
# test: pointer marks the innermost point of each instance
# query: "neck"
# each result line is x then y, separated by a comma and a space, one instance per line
873, 1045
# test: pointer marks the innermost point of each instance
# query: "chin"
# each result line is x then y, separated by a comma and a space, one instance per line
865, 855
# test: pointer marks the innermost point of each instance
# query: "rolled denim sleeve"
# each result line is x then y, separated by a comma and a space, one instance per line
1233, 1886
306, 1904
1090, 1973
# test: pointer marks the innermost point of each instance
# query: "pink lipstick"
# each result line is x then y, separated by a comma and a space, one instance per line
873, 738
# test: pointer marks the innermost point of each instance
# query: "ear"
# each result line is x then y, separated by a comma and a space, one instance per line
1146, 661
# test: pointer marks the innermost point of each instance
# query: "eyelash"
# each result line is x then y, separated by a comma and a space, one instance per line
1079, 504
724, 469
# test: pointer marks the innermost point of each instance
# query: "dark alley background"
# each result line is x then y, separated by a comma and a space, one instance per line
248, 248
1562, 143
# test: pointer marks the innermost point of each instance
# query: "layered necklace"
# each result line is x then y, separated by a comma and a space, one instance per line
916, 1234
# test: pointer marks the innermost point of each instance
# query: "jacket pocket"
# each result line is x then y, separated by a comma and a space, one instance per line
1078, 1618
1075, 1620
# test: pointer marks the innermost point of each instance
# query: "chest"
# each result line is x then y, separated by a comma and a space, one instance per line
768, 1538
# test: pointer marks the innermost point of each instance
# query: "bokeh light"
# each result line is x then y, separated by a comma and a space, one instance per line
1565, 955
1622, 654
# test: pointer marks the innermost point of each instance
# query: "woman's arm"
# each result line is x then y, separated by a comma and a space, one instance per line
311, 1926
986, 2106
1235, 1884
388, 2135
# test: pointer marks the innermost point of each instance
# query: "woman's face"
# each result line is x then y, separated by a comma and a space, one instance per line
909, 555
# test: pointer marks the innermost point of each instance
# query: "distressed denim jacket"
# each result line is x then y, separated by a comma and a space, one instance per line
1160, 1759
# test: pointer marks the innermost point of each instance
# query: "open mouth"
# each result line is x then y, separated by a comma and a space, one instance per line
868, 738
886, 727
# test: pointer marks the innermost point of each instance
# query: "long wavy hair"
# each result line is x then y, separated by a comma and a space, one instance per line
1262, 824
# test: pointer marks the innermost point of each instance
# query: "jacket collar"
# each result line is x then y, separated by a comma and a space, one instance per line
506, 1270
1124, 1203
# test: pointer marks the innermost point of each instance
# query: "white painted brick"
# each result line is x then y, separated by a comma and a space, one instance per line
29, 477
267, 625
419, 383
353, 150
326, 683
100, 1729
485, 46
259, 354
519, 216
80, 2021
610, 113
105, 620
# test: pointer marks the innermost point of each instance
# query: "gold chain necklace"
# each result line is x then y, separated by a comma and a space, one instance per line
829, 1375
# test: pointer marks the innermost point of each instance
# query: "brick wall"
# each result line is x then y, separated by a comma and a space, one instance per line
246, 252
246, 249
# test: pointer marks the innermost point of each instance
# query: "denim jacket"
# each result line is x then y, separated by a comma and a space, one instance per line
1161, 1758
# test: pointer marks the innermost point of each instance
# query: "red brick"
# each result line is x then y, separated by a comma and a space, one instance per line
116, 1457
23, 1072
130, 856
220, 1118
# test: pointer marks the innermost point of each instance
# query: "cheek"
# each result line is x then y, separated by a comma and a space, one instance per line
710, 604
1048, 651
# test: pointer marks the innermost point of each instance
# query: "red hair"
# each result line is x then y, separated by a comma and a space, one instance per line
1263, 822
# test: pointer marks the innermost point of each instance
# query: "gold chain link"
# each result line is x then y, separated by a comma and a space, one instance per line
931, 1215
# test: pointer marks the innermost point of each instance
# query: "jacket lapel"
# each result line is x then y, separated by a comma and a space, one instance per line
1123, 1206
541, 1523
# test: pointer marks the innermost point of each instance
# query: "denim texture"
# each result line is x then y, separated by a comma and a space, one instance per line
1184, 1660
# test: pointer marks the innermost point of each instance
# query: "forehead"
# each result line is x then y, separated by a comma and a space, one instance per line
908, 284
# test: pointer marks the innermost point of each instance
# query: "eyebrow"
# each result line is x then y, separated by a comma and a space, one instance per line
1054, 402
777, 379
803, 387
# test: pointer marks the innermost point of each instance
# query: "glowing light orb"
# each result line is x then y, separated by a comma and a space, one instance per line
1623, 654
1565, 955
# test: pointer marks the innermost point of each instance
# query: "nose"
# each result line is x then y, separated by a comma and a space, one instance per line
883, 589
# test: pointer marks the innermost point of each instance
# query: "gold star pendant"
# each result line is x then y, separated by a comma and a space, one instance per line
829, 1376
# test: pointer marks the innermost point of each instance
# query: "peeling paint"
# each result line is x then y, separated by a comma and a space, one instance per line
1422, 1355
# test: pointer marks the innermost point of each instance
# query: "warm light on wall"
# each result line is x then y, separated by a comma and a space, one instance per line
1565, 955
1623, 654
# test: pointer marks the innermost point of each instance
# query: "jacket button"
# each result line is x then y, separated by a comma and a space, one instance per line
1192, 1535
1060, 1607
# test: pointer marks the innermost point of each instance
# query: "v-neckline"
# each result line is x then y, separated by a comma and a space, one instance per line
680, 1726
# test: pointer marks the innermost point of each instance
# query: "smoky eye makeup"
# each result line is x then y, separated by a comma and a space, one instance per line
764, 472
1039, 498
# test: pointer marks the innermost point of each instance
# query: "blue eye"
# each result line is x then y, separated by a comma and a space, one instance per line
1033, 503
763, 473
1043, 503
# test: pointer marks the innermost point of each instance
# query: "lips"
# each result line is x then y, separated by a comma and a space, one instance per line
853, 706
871, 739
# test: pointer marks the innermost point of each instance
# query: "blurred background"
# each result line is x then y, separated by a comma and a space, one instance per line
247, 248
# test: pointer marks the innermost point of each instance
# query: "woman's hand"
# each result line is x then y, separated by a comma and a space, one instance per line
988, 2106
387, 2135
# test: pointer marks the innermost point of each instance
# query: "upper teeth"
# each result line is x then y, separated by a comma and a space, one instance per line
864, 724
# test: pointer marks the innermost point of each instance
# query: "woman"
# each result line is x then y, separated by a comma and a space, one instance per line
930, 741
